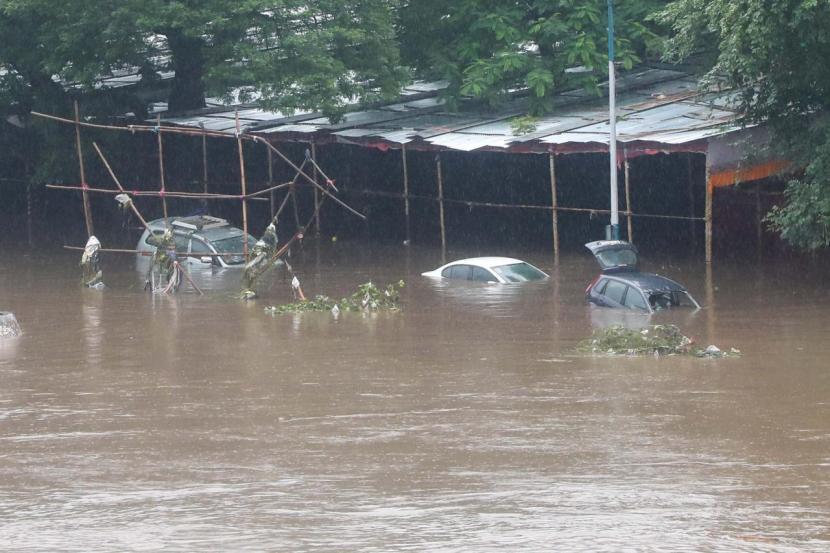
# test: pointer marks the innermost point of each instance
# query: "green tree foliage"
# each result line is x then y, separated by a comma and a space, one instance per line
487, 48
774, 52
291, 54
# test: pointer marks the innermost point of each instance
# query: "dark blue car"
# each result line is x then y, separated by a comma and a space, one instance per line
621, 285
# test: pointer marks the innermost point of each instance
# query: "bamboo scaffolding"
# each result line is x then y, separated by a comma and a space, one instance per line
309, 179
87, 211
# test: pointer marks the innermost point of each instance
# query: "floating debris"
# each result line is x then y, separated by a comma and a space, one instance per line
655, 340
368, 297
91, 264
9, 326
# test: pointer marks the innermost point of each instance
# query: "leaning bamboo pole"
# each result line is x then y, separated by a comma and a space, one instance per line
121, 188
316, 192
554, 202
441, 206
299, 171
87, 210
271, 196
243, 185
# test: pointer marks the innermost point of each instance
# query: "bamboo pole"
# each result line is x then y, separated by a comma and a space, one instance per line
405, 192
691, 183
708, 216
121, 188
271, 197
316, 192
554, 212
628, 197
309, 179
759, 223
204, 159
469, 203
161, 171
87, 210
244, 188
441, 206
149, 254
156, 194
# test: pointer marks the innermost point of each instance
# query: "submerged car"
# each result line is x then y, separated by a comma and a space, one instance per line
208, 241
502, 270
620, 284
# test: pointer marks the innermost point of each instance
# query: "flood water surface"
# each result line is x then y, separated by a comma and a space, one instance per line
464, 422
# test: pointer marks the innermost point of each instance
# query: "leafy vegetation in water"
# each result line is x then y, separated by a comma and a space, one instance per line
654, 340
367, 297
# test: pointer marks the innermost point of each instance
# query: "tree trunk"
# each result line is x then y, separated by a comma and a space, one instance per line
188, 90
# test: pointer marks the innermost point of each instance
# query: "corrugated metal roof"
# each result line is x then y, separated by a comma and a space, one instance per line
654, 105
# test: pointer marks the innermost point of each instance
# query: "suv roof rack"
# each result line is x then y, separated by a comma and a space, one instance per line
200, 222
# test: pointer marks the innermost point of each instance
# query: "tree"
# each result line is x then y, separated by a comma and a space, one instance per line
291, 54
774, 52
487, 48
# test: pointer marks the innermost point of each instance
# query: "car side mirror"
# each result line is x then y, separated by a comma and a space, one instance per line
206, 259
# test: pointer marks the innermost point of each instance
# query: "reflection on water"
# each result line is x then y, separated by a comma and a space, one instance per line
462, 423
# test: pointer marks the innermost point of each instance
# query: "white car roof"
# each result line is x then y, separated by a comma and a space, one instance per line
487, 262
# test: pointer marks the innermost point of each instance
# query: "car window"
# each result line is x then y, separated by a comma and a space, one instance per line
461, 272
617, 258
614, 290
519, 272
483, 275
634, 299
181, 241
197, 246
600, 287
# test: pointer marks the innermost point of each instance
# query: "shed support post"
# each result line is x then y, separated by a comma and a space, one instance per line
554, 206
244, 187
441, 206
405, 191
204, 159
708, 217
87, 211
628, 198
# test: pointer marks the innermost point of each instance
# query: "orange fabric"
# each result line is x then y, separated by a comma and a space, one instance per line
746, 174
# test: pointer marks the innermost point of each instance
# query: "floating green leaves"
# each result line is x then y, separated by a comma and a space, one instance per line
367, 297
654, 340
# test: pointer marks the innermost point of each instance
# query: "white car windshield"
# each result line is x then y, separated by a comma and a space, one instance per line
519, 272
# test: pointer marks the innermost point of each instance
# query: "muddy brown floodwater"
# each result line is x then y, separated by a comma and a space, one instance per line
462, 423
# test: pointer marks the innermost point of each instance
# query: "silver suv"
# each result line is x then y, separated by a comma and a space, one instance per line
201, 237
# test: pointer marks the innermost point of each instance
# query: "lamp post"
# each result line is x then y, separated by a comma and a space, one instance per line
614, 230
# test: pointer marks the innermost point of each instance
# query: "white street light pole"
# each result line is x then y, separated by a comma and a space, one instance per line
612, 118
